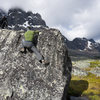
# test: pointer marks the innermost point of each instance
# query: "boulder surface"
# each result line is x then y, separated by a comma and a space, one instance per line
23, 77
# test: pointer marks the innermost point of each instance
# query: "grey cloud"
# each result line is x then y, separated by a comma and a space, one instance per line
67, 15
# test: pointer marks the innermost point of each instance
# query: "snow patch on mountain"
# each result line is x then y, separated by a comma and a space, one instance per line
89, 45
11, 26
26, 24
30, 17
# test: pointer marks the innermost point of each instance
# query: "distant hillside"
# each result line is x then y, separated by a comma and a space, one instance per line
83, 47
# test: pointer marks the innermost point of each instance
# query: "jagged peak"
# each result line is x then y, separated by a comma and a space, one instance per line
19, 19
16, 9
92, 40
82, 39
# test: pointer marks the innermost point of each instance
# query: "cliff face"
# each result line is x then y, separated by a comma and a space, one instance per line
23, 77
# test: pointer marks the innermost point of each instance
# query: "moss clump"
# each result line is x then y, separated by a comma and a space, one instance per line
77, 87
95, 63
80, 86
94, 97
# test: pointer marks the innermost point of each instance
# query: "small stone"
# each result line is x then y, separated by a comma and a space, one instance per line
1, 72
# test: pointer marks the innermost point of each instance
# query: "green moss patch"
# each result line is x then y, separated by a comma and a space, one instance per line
95, 63
94, 97
85, 86
77, 87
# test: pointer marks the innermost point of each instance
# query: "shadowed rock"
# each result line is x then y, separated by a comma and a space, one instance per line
23, 77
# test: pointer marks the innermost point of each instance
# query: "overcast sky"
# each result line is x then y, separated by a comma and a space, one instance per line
74, 18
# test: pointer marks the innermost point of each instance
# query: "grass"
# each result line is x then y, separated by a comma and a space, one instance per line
88, 86
85, 86
95, 63
95, 97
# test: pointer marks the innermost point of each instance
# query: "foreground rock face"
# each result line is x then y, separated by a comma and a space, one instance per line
23, 77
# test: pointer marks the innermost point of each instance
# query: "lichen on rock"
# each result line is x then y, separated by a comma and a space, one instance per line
23, 77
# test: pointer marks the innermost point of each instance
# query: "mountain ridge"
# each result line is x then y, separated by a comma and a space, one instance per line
19, 19
83, 47
83, 44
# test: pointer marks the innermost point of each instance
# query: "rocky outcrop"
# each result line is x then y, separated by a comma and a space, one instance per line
19, 19
23, 77
95, 71
78, 71
83, 67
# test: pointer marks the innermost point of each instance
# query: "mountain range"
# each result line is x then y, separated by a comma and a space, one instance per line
83, 44
19, 19
83, 47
